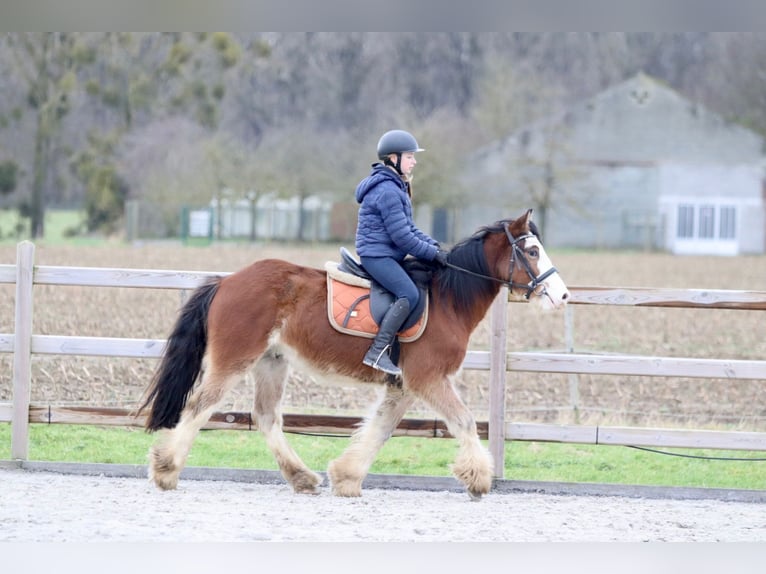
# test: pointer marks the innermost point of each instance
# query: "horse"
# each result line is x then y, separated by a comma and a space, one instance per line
272, 314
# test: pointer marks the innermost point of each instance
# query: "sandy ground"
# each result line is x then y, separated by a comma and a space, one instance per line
52, 507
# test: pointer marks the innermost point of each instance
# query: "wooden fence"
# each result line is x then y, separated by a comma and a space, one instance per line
23, 344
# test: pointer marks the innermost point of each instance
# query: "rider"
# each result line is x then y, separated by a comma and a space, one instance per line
386, 234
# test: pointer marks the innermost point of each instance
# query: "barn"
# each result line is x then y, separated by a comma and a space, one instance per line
637, 166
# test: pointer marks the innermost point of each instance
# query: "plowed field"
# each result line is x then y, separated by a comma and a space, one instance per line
699, 403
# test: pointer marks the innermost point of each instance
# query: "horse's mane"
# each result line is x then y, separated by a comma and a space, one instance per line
464, 289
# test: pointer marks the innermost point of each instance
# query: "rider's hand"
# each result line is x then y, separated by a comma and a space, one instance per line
441, 257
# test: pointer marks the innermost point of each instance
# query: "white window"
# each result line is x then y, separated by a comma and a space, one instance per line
707, 222
685, 221
728, 222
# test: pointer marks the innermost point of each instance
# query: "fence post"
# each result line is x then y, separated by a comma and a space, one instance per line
22, 350
132, 214
497, 372
574, 379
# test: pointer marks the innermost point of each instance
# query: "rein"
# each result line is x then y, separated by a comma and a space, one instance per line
517, 252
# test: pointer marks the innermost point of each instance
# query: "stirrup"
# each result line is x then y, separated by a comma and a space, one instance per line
392, 370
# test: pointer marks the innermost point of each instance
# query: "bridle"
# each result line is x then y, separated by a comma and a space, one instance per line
517, 257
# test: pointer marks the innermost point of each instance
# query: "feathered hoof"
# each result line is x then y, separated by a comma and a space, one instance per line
162, 470
306, 482
475, 473
346, 489
165, 483
343, 483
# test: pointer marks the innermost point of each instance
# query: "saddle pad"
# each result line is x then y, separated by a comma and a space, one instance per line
348, 310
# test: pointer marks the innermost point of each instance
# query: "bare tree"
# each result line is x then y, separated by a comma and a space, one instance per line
65, 96
49, 63
299, 162
741, 87
526, 160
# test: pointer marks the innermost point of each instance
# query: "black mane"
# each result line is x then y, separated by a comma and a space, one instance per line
464, 288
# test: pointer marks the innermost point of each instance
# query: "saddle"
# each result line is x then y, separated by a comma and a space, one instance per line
356, 303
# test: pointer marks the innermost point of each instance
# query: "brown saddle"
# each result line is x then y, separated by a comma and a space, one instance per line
349, 308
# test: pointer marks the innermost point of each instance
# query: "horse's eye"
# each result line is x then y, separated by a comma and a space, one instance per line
534, 253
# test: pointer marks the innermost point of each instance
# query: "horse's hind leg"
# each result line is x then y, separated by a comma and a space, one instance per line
270, 374
473, 464
168, 456
347, 472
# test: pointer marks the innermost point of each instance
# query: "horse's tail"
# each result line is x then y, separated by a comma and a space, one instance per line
181, 362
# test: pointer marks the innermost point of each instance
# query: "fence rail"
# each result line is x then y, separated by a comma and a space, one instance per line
23, 344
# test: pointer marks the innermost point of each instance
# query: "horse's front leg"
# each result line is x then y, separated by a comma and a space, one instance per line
473, 464
347, 472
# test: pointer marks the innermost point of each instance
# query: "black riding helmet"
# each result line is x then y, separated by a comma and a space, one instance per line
397, 142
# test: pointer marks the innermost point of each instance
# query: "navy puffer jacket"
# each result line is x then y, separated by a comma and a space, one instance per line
386, 227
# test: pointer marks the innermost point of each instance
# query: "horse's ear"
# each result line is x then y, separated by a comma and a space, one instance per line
528, 216
525, 220
521, 225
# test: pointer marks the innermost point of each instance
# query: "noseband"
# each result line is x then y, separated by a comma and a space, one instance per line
517, 253
517, 256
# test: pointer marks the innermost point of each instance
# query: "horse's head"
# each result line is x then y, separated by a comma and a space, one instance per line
510, 253
529, 270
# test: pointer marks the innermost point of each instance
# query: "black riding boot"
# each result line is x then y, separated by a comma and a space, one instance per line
377, 356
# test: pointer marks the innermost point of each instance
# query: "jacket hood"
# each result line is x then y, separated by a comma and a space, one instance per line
379, 173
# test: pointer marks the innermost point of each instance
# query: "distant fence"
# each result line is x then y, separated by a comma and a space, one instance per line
266, 218
23, 344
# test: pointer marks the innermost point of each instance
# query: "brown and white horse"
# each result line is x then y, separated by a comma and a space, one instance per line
273, 314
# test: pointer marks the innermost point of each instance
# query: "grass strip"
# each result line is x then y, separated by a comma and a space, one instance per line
408, 455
